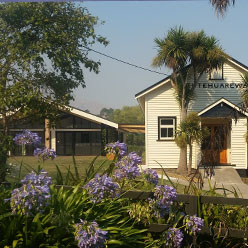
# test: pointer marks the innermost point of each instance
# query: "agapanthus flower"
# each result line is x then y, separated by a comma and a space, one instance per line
134, 157
45, 153
33, 196
102, 187
27, 138
174, 238
89, 235
116, 148
151, 176
164, 196
193, 224
126, 168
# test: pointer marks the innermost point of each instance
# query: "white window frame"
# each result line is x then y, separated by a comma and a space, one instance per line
160, 126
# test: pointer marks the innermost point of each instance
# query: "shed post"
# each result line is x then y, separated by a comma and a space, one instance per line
47, 133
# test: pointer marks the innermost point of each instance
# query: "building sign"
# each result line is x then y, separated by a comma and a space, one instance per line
220, 85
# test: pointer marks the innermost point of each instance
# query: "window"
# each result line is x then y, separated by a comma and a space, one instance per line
216, 74
166, 128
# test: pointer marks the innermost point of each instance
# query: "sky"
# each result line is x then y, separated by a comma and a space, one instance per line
131, 26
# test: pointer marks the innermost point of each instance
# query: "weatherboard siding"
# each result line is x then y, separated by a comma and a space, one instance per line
238, 144
207, 96
160, 102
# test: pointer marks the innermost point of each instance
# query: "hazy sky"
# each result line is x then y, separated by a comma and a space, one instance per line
131, 28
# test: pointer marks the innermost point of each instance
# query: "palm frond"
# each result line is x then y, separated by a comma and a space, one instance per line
221, 6
244, 93
171, 50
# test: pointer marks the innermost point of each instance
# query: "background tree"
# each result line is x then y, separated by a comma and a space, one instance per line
43, 50
127, 115
106, 112
190, 131
130, 115
221, 5
189, 55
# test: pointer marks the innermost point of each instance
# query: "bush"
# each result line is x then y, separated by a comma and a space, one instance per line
94, 213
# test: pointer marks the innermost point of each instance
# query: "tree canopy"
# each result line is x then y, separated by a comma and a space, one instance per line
43, 53
106, 112
127, 115
189, 55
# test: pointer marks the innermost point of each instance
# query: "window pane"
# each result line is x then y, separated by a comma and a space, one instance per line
27, 124
95, 125
85, 123
60, 143
164, 132
66, 121
77, 122
216, 74
82, 143
167, 122
68, 144
170, 132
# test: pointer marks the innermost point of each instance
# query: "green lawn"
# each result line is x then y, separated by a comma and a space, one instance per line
30, 163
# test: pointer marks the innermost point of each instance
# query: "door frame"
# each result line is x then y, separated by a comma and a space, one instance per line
213, 155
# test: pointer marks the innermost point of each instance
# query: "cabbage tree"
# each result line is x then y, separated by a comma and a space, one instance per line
189, 55
221, 5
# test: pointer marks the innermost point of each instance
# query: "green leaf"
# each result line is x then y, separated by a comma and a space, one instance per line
115, 242
46, 230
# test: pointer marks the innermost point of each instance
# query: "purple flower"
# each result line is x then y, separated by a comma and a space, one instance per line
193, 224
116, 148
164, 196
33, 196
174, 238
89, 235
102, 187
126, 168
27, 138
151, 176
134, 157
44, 153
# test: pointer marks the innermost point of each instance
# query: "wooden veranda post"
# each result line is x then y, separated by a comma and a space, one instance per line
47, 133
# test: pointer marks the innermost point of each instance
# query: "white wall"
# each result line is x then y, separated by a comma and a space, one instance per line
162, 102
207, 96
238, 144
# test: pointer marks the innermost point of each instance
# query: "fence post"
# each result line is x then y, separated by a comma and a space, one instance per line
192, 207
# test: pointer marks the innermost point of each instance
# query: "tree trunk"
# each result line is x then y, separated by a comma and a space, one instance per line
190, 158
182, 165
5, 125
4, 151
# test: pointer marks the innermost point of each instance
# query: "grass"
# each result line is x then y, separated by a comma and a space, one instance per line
64, 163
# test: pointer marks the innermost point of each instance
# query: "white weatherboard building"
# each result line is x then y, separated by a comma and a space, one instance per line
217, 100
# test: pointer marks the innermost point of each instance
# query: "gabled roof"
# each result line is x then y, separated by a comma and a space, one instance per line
90, 117
167, 79
132, 128
153, 87
225, 101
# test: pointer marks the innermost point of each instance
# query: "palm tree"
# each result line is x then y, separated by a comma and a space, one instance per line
221, 5
244, 93
189, 55
190, 131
